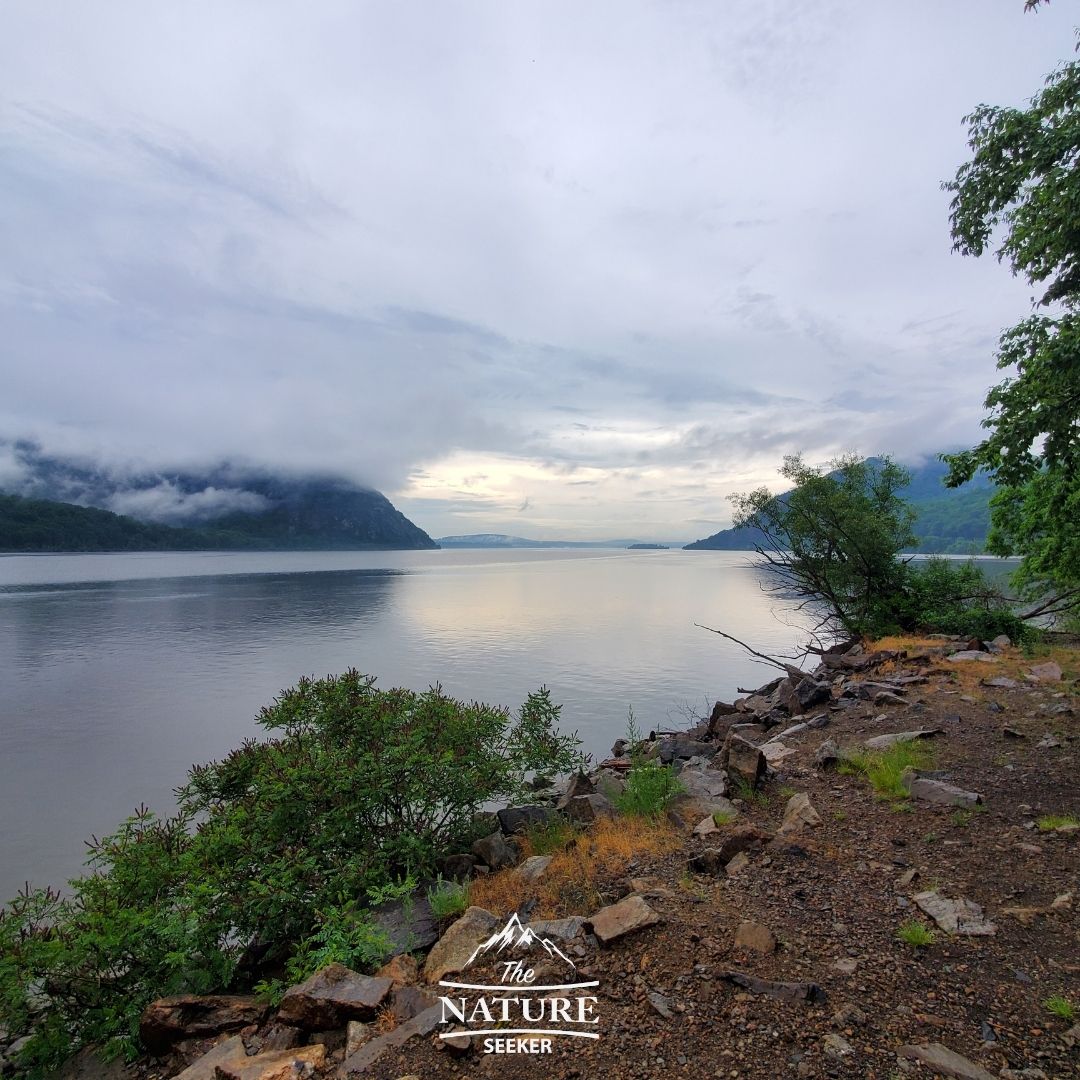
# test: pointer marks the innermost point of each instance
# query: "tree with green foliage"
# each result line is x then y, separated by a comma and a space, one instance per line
279, 851
1020, 196
834, 541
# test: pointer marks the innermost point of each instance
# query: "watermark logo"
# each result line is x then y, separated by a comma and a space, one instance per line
526, 1009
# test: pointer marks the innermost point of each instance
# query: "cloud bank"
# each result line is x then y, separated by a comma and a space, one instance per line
533, 268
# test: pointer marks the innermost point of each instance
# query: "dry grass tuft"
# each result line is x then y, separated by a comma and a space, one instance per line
899, 642
570, 884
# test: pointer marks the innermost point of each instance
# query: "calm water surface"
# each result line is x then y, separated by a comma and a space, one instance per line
120, 671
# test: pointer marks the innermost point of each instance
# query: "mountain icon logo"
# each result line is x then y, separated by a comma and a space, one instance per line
514, 935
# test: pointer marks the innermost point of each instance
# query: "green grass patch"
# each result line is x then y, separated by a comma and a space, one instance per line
1053, 822
724, 817
915, 934
546, 838
741, 789
883, 769
1061, 1007
448, 898
650, 787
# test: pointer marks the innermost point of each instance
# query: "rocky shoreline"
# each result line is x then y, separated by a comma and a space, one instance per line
759, 931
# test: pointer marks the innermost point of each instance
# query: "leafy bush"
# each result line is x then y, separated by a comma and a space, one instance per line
359, 789
650, 787
952, 597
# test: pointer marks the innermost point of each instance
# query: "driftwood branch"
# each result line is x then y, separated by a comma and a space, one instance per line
787, 669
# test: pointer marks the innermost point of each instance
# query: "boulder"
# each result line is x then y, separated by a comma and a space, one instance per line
743, 760
516, 819
754, 937
680, 747
586, 808
775, 751
628, 915
720, 718
409, 1001
454, 949
1048, 672
955, 916
579, 784
945, 1062
495, 852
331, 997
741, 839
801, 695
456, 867
188, 1016
408, 924
296, 1064
567, 929
798, 814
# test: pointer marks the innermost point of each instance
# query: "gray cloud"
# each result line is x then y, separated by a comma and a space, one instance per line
600, 249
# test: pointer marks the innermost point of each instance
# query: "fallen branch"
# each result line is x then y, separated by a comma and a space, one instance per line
787, 669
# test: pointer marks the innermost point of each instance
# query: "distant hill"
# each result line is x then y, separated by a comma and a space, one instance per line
75, 507
502, 540
949, 521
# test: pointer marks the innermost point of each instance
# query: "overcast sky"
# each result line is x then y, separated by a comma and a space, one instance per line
553, 269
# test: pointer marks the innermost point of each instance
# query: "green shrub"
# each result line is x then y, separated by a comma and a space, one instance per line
650, 787
358, 789
948, 596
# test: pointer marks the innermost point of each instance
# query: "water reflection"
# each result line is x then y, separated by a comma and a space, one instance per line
113, 688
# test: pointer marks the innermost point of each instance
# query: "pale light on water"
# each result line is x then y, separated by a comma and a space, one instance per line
120, 671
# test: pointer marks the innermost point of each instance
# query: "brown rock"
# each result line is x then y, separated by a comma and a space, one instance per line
331, 997
205, 1068
403, 970
626, 916
743, 760
278, 1065
454, 949
586, 808
753, 937
168, 1020
781, 991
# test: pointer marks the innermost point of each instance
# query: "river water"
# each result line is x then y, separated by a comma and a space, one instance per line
121, 671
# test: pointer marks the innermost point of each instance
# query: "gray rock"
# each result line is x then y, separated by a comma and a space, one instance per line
660, 1004
331, 997
494, 851
955, 916
456, 867
516, 819
1048, 672
586, 808
678, 747
567, 929
945, 1061
937, 791
408, 924
579, 784
798, 814
971, 654
1001, 682
370, 1052
781, 991
617, 920
889, 697
828, 753
533, 868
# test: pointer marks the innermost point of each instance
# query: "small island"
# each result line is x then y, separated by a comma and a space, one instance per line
647, 547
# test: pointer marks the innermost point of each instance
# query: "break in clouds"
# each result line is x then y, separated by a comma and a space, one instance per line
533, 268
